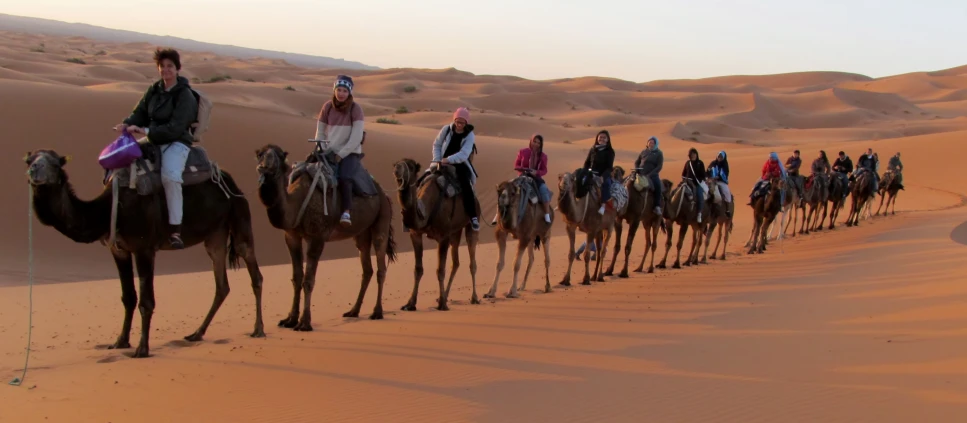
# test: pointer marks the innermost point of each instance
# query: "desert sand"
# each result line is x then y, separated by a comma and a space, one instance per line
857, 324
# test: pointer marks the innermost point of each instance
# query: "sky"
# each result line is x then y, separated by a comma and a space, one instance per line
544, 39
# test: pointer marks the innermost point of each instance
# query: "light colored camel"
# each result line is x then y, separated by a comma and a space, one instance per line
718, 218
528, 228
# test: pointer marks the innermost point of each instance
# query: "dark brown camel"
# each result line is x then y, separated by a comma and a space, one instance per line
222, 222
640, 209
371, 229
815, 198
426, 212
718, 218
528, 228
764, 212
836, 199
889, 187
683, 211
861, 192
578, 204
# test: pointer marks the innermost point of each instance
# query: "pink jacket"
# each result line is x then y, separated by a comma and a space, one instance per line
524, 159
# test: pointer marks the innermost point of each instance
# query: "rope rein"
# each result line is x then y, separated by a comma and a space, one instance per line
17, 381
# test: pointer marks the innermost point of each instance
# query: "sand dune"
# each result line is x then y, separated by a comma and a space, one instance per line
859, 324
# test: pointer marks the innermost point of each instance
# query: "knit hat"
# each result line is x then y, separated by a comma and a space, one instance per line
462, 113
344, 81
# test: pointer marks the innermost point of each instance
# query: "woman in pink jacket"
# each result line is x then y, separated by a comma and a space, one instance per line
532, 161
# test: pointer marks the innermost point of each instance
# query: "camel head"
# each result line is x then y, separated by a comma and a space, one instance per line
618, 174
507, 194
271, 161
45, 167
406, 171
564, 182
775, 190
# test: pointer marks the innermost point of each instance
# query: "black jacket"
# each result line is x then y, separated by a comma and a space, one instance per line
843, 165
167, 115
601, 161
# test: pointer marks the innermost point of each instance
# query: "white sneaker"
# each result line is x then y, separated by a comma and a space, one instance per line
657, 210
700, 218
601, 210
547, 217
344, 219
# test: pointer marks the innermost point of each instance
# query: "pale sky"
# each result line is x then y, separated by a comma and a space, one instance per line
542, 39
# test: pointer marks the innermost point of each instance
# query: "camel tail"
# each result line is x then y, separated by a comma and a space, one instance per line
232, 252
391, 245
537, 242
240, 216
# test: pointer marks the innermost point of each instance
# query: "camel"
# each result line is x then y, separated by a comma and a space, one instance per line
889, 187
764, 211
219, 219
816, 198
719, 218
793, 202
443, 223
578, 203
682, 211
315, 221
836, 196
523, 219
861, 193
640, 209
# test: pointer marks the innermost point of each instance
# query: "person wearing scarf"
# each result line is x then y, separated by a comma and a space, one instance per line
694, 171
600, 161
341, 123
532, 161
719, 171
649, 164
771, 169
454, 145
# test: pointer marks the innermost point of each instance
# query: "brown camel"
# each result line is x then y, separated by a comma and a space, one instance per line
579, 203
889, 187
764, 212
443, 223
640, 209
793, 201
216, 214
721, 216
836, 199
319, 223
522, 218
683, 211
861, 192
816, 198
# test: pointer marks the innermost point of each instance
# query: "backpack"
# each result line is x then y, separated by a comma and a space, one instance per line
203, 118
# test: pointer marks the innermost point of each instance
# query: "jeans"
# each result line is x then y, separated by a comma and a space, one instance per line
699, 197
173, 158
656, 188
348, 166
468, 196
606, 189
543, 192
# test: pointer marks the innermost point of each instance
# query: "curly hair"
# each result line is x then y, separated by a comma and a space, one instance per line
168, 53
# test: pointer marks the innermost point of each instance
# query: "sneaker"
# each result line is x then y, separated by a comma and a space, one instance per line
494, 222
547, 217
475, 224
176, 241
344, 219
658, 210
601, 210
699, 218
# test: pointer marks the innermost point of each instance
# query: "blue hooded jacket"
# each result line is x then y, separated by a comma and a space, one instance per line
719, 169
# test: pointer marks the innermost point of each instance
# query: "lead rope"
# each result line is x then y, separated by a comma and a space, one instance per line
17, 381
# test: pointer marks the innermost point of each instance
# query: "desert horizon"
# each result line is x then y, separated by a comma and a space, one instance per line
854, 324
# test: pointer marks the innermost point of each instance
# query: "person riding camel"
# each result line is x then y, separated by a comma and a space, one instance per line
164, 115
718, 170
694, 173
453, 146
895, 166
771, 169
820, 167
600, 161
868, 163
341, 123
842, 167
532, 161
793, 163
648, 165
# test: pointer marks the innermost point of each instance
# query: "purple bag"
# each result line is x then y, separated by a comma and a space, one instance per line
120, 153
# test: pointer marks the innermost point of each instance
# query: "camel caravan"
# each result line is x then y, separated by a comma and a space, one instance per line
163, 192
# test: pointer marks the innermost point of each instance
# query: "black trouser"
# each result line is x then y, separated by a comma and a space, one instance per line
347, 168
469, 199
656, 188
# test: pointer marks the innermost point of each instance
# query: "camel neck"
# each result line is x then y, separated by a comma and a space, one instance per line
79, 220
275, 197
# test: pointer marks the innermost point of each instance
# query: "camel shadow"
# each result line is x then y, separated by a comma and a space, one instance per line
959, 234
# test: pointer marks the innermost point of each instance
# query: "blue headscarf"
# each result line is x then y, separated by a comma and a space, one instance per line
656, 142
782, 170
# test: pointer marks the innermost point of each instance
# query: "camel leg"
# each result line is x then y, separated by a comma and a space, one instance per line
599, 267
669, 228
455, 260
472, 240
217, 250
309, 283
364, 243
417, 240
566, 281
441, 272
652, 235
521, 247
697, 234
892, 201
587, 257
530, 264
547, 264
144, 261
129, 297
294, 243
762, 240
683, 229
617, 247
501, 251
708, 240
632, 229
727, 228
882, 198
245, 249
648, 236
380, 237
756, 228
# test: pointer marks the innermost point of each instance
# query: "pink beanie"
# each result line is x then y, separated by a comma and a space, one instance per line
462, 113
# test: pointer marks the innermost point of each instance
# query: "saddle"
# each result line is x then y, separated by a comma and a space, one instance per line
316, 163
446, 178
619, 194
641, 183
144, 174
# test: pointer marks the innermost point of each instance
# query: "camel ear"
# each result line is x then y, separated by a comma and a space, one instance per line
27, 157
64, 160
285, 155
